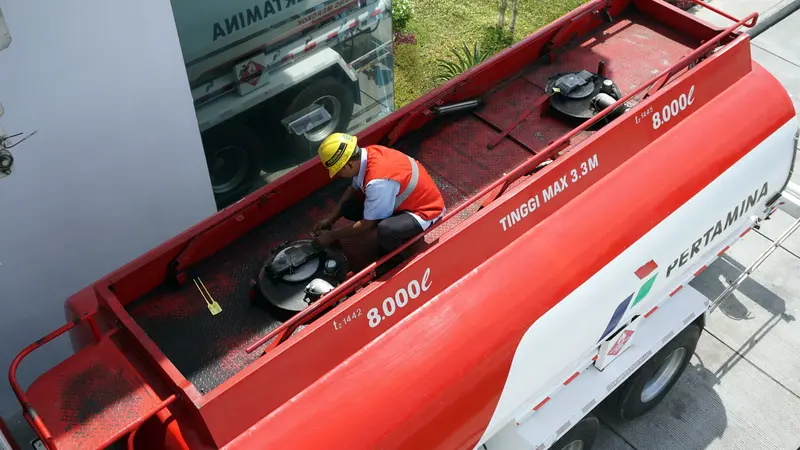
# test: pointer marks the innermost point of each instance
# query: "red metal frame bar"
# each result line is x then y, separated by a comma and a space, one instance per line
138, 422
365, 274
519, 142
657, 85
168, 370
131, 439
403, 124
495, 194
554, 43
536, 105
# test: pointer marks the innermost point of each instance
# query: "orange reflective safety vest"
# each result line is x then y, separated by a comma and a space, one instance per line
418, 192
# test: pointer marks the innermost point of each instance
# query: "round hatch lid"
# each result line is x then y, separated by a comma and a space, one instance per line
573, 94
290, 268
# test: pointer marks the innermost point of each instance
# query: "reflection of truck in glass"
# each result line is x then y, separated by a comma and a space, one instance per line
259, 69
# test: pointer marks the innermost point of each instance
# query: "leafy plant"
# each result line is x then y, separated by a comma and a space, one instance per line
402, 13
494, 38
682, 4
465, 59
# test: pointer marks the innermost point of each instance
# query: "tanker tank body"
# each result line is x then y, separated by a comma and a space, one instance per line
672, 192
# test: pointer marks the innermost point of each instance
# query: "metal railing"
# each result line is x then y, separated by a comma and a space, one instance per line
286, 329
32, 417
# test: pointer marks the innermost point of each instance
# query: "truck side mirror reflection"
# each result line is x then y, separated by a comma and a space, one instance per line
306, 119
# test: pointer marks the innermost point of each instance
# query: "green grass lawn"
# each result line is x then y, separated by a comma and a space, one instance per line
442, 24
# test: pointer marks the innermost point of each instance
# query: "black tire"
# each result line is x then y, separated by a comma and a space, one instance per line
234, 155
631, 399
581, 436
336, 97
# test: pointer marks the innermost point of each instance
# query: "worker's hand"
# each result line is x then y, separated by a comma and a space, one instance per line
324, 224
325, 238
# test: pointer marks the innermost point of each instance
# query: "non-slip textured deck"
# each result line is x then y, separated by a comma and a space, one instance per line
92, 396
209, 349
206, 348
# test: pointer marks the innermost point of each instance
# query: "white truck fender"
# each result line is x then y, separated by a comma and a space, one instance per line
279, 80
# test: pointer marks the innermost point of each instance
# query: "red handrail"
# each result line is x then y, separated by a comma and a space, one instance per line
28, 412
366, 274
138, 422
34, 420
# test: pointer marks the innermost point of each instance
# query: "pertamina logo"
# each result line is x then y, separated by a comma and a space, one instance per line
634, 298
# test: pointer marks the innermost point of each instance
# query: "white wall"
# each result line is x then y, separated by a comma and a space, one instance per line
116, 166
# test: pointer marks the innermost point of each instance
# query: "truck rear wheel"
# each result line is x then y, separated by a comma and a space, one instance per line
651, 383
234, 156
336, 98
579, 437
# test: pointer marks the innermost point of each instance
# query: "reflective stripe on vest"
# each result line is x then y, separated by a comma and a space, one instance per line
412, 184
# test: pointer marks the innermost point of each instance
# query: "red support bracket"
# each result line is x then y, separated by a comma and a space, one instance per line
554, 43
551, 46
658, 85
495, 194
133, 427
278, 339
399, 129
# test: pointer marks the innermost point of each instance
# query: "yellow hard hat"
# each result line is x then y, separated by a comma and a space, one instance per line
335, 151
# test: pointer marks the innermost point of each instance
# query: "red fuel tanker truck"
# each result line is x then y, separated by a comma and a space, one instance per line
590, 171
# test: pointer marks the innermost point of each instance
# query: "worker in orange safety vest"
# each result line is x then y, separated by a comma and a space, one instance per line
389, 190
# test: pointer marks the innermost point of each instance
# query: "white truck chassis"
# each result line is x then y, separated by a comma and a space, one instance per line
546, 420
